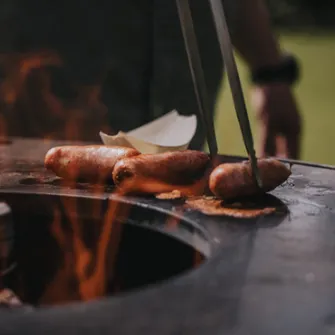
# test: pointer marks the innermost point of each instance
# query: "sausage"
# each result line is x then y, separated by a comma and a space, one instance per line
92, 163
160, 173
232, 180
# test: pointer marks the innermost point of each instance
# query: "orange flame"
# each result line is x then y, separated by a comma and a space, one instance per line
32, 109
18, 66
88, 268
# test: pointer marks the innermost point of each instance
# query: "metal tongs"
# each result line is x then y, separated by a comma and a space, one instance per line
199, 83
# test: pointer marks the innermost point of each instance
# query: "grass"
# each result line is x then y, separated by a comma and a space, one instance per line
315, 94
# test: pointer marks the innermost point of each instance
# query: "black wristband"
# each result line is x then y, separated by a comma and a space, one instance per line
286, 72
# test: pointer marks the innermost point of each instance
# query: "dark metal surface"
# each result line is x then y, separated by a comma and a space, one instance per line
266, 276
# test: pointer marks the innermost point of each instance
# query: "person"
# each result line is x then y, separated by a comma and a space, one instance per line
271, 95
131, 55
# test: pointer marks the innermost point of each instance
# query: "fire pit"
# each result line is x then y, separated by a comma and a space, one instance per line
174, 270
62, 256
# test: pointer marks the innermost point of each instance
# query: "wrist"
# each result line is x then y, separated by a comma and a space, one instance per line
283, 71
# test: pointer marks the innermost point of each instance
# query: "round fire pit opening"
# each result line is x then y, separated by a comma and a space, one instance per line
64, 256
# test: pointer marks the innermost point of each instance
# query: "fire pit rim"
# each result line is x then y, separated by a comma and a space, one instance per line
169, 212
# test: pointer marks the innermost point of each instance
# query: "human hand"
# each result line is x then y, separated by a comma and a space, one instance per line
279, 120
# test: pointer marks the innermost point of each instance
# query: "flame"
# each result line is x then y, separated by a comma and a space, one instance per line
111, 233
33, 109
30, 108
60, 290
18, 66
88, 268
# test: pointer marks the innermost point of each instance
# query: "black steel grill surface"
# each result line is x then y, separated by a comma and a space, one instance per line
270, 275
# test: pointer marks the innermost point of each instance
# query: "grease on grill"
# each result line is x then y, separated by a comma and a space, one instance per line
176, 194
244, 209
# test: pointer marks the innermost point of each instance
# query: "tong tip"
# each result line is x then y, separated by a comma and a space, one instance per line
255, 171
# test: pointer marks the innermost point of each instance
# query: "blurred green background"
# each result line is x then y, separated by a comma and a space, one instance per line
299, 32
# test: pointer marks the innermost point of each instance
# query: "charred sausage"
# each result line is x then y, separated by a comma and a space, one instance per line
236, 180
92, 163
158, 173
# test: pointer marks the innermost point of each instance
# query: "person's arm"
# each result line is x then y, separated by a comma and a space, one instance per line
253, 37
272, 100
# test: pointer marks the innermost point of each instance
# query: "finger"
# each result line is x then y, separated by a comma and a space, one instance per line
281, 147
267, 141
270, 145
293, 145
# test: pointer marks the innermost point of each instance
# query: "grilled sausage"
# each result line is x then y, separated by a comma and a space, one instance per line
158, 173
92, 163
236, 180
